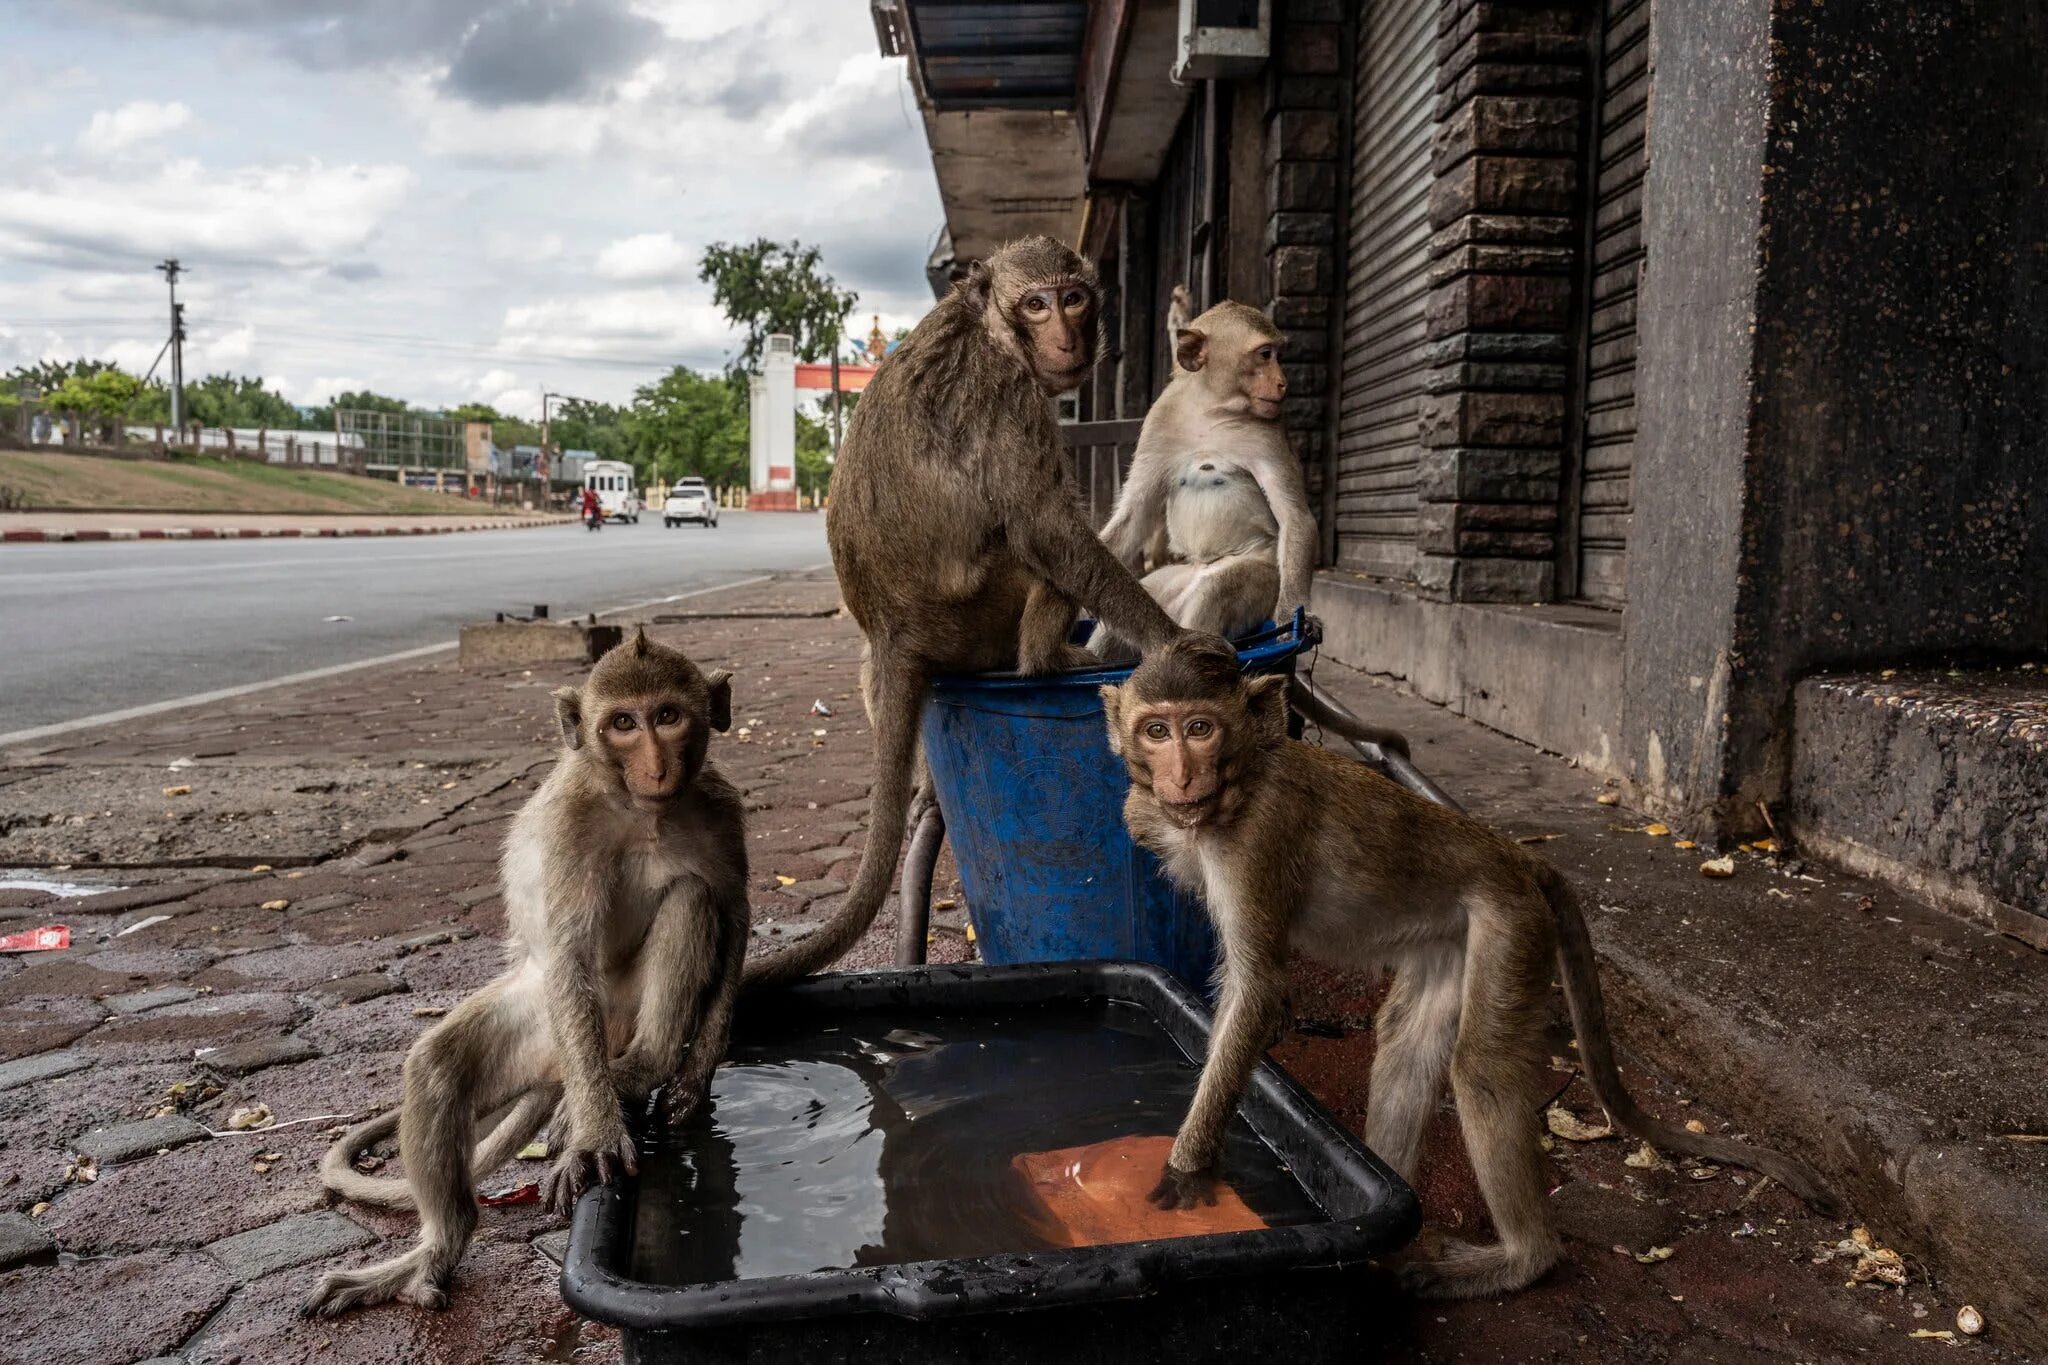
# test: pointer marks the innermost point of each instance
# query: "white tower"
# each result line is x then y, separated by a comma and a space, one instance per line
778, 398
757, 433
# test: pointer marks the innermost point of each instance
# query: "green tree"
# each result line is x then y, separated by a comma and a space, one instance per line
226, 400
688, 423
766, 287
596, 427
321, 418
47, 376
100, 400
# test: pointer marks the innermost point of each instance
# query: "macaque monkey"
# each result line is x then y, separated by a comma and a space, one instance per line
1292, 847
1221, 407
958, 542
625, 888
1225, 571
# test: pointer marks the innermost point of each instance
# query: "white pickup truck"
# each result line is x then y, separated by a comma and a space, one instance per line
689, 500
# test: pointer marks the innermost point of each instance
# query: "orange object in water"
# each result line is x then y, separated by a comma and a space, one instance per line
1097, 1195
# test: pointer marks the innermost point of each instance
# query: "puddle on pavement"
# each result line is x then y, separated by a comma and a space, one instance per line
25, 879
893, 1138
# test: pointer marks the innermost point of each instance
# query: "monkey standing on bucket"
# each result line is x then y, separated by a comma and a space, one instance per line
1294, 848
625, 893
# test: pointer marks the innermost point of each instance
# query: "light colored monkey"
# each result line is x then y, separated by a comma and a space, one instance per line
1294, 848
1224, 573
625, 891
1222, 407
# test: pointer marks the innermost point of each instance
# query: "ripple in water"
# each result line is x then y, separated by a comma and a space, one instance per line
886, 1139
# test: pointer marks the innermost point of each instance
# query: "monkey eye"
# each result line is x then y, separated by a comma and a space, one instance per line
1158, 729
1265, 353
1034, 304
1198, 729
622, 722
667, 715
1075, 298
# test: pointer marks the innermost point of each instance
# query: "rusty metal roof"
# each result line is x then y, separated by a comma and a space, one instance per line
997, 54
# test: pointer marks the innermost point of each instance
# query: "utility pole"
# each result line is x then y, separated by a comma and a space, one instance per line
172, 270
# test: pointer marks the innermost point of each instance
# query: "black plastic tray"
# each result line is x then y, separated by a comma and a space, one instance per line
1282, 1292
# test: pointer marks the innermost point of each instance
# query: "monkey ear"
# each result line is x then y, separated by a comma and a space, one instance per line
1112, 711
1191, 348
569, 715
640, 642
1267, 700
976, 286
719, 681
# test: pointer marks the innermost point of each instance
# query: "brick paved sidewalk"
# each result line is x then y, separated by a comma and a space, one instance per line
204, 990
56, 527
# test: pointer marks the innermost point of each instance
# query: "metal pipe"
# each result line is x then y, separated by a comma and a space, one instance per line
1384, 751
914, 894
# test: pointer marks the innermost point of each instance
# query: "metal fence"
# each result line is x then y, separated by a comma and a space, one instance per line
392, 441
1100, 452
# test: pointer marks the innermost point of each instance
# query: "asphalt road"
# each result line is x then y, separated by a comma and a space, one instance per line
87, 629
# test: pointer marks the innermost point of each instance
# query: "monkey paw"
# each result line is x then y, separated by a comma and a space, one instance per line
583, 1165
682, 1097
1178, 1189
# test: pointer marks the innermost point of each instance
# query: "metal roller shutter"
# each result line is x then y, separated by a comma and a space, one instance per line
1608, 452
1385, 327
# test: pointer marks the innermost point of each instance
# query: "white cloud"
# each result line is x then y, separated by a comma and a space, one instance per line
648, 256
116, 130
303, 214
654, 326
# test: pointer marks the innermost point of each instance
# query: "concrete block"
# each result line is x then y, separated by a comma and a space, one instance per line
296, 1240
41, 1067
23, 1242
145, 1137
239, 1059
511, 643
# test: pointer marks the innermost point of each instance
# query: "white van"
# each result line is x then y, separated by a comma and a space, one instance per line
612, 481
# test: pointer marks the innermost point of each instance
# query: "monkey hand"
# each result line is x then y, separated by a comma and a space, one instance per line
598, 1158
1178, 1189
683, 1096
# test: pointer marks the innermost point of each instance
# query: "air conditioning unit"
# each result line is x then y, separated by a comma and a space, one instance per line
1223, 39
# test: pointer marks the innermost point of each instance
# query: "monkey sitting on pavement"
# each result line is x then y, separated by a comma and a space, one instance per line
625, 891
1293, 847
954, 530
1222, 408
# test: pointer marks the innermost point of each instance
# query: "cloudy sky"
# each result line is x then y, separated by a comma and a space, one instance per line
444, 200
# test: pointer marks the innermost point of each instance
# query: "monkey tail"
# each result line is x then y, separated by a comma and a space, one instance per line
338, 1171
1596, 1052
899, 699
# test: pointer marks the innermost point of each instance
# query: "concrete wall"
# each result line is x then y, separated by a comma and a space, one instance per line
1843, 340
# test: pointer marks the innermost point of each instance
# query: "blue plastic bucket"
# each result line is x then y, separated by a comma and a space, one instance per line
1034, 807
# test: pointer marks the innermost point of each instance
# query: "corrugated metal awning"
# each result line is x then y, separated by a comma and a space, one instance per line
997, 54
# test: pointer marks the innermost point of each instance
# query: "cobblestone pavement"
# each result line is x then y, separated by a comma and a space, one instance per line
200, 991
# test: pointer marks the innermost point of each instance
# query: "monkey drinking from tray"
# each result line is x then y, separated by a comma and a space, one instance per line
625, 893
954, 529
1213, 469
1292, 847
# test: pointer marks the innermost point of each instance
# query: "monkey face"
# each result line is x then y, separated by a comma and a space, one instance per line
645, 716
1056, 326
1260, 378
1180, 747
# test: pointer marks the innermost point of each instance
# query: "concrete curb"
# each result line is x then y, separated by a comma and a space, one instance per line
60, 535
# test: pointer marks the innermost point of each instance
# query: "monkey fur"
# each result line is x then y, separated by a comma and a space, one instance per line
1222, 407
625, 894
1225, 572
957, 539
1293, 847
